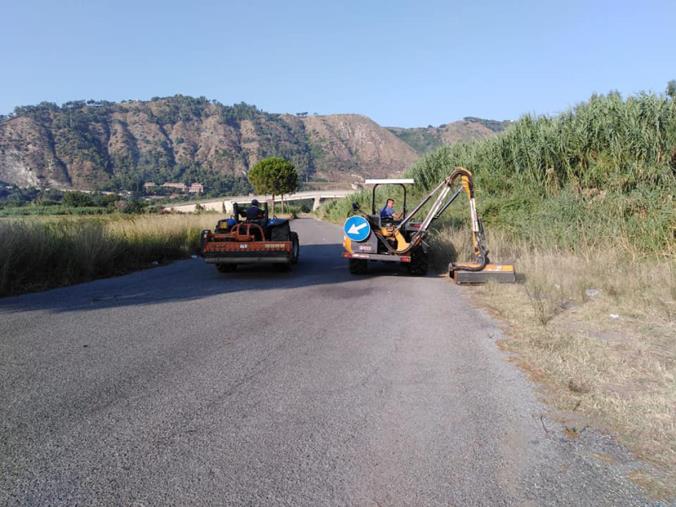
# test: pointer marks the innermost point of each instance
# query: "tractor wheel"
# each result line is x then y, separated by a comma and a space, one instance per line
295, 248
418, 265
226, 268
295, 252
358, 266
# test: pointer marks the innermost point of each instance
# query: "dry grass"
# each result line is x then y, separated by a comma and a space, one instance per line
597, 327
39, 253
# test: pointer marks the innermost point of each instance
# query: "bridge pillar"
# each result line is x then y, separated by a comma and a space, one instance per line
317, 203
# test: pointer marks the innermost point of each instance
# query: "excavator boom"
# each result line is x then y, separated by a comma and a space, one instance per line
480, 270
377, 238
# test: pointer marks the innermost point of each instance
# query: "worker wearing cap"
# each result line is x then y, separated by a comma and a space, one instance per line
253, 212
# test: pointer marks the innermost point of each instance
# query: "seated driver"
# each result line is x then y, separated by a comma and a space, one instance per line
254, 211
388, 213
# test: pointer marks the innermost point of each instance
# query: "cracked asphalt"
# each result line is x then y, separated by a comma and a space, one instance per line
182, 386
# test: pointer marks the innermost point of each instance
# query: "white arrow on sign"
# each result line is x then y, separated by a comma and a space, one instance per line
356, 228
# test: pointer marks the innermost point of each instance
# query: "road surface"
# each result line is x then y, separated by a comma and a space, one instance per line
182, 386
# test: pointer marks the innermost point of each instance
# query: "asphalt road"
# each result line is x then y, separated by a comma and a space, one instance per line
179, 385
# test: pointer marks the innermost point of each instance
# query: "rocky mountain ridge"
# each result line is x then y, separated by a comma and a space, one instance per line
113, 146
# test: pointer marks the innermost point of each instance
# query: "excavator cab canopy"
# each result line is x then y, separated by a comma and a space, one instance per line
402, 182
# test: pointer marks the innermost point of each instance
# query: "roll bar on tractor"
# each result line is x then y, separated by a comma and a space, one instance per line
239, 210
402, 182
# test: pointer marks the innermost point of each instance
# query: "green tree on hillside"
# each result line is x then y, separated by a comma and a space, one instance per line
274, 175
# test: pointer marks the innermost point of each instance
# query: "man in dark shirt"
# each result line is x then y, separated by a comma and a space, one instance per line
253, 212
388, 211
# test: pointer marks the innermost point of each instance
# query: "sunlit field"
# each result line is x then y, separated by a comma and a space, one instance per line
38, 253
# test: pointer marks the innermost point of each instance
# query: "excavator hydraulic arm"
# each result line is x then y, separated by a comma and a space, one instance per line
480, 270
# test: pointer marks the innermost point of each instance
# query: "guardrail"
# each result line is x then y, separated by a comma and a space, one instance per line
224, 204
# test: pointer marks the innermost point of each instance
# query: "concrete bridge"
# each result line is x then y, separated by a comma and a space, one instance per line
224, 204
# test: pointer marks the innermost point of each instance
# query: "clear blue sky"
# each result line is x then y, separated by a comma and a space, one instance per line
403, 63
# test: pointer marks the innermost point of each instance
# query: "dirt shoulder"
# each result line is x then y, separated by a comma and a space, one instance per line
598, 335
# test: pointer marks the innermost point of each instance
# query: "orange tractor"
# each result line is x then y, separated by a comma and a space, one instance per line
240, 241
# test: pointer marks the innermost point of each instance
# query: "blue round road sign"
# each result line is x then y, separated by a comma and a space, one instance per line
357, 228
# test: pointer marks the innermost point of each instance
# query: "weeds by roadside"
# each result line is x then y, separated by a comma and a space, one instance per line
596, 327
42, 253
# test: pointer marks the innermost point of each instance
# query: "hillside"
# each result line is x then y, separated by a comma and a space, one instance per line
426, 139
103, 145
116, 146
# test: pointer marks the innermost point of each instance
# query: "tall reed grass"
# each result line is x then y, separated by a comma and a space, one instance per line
38, 253
605, 170
602, 173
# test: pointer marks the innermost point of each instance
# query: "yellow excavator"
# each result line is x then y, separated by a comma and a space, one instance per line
397, 238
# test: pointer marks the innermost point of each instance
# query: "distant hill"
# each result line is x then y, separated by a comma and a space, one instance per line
426, 139
114, 146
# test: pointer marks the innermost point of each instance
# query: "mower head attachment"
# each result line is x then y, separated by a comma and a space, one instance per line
474, 274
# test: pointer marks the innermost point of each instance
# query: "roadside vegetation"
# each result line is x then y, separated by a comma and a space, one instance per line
15, 202
39, 253
43, 249
584, 204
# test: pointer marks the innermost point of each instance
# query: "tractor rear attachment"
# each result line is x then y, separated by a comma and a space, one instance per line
242, 240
